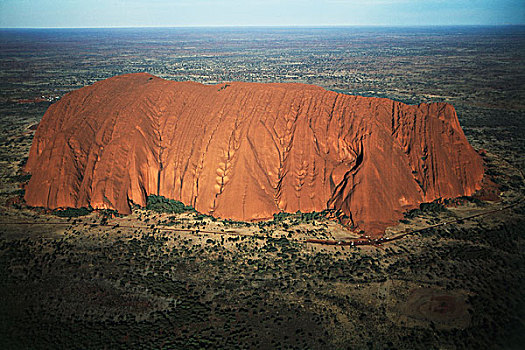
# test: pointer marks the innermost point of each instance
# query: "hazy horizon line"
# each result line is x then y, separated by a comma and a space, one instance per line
284, 26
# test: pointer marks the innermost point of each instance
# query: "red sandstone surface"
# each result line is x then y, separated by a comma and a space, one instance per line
247, 150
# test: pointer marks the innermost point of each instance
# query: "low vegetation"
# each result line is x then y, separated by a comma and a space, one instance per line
161, 204
72, 212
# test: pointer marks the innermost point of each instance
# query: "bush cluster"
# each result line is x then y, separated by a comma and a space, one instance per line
162, 204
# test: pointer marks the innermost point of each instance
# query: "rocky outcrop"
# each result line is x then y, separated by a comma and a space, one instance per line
246, 151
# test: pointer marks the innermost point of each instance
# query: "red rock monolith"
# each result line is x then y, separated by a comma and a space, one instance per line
248, 150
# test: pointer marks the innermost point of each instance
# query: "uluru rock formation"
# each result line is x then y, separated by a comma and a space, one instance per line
248, 150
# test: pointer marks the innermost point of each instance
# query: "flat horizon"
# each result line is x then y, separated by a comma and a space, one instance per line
284, 26
208, 13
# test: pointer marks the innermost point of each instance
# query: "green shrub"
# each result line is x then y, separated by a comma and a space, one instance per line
72, 212
21, 178
161, 204
434, 207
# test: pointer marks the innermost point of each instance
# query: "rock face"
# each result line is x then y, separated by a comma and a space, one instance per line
246, 151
